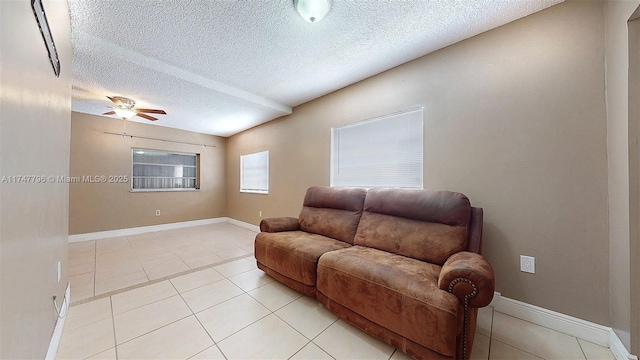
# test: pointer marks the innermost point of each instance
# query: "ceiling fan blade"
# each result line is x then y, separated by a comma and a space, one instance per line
146, 116
109, 113
151, 111
115, 101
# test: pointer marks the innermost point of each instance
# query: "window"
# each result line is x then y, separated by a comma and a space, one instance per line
254, 172
380, 152
154, 170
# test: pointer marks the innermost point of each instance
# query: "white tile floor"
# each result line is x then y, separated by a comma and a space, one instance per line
102, 266
235, 311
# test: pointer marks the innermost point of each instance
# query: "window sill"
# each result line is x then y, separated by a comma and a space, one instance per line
161, 190
254, 192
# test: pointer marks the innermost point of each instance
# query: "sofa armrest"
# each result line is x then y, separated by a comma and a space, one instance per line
279, 224
470, 277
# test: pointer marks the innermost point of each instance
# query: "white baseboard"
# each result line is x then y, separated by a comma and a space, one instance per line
554, 320
618, 349
586, 330
243, 224
57, 330
143, 229
161, 227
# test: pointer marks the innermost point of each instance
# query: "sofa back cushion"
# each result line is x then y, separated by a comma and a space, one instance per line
332, 212
426, 225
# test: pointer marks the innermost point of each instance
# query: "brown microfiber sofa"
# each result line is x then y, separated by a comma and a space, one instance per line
402, 265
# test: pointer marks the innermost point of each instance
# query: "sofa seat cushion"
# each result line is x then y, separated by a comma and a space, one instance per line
394, 291
294, 254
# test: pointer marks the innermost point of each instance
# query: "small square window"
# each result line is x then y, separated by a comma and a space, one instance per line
254, 173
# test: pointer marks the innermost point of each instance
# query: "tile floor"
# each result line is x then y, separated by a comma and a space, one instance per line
232, 310
102, 266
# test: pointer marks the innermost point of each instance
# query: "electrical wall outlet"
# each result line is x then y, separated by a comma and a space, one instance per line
260, 213
59, 271
528, 264
157, 212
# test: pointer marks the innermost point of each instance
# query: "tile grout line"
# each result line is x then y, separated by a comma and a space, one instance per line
493, 313
244, 292
295, 353
393, 352
581, 349
244, 327
178, 256
303, 335
153, 302
290, 325
138, 258
180, 293
113, 325
95, 264
151, 282
214, 345
199, 322
234, 297
271, 312
150, 331
517, 348
322, 332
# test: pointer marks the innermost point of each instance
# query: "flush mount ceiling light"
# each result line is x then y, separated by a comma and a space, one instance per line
312, 10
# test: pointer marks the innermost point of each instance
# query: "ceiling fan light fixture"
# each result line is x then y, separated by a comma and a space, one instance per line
125, 113
312, 10
125, 109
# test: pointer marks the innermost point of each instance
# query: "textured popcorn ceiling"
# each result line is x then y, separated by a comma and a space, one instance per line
223, 66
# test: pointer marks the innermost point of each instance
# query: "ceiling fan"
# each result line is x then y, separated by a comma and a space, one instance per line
125, 108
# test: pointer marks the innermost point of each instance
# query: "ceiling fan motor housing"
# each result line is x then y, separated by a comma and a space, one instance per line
123, 102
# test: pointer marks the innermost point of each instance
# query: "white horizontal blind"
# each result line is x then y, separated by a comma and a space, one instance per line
159, 170
380, 152
254, 172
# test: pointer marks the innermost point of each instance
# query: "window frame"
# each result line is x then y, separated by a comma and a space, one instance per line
170, 152
242, 170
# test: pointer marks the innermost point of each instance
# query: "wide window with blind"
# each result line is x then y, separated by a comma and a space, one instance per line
382, 152
154, 170
254, 172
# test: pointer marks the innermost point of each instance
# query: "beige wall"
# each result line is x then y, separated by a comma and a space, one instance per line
514, 118
104, 206
34, 140
617, 74
634, 178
